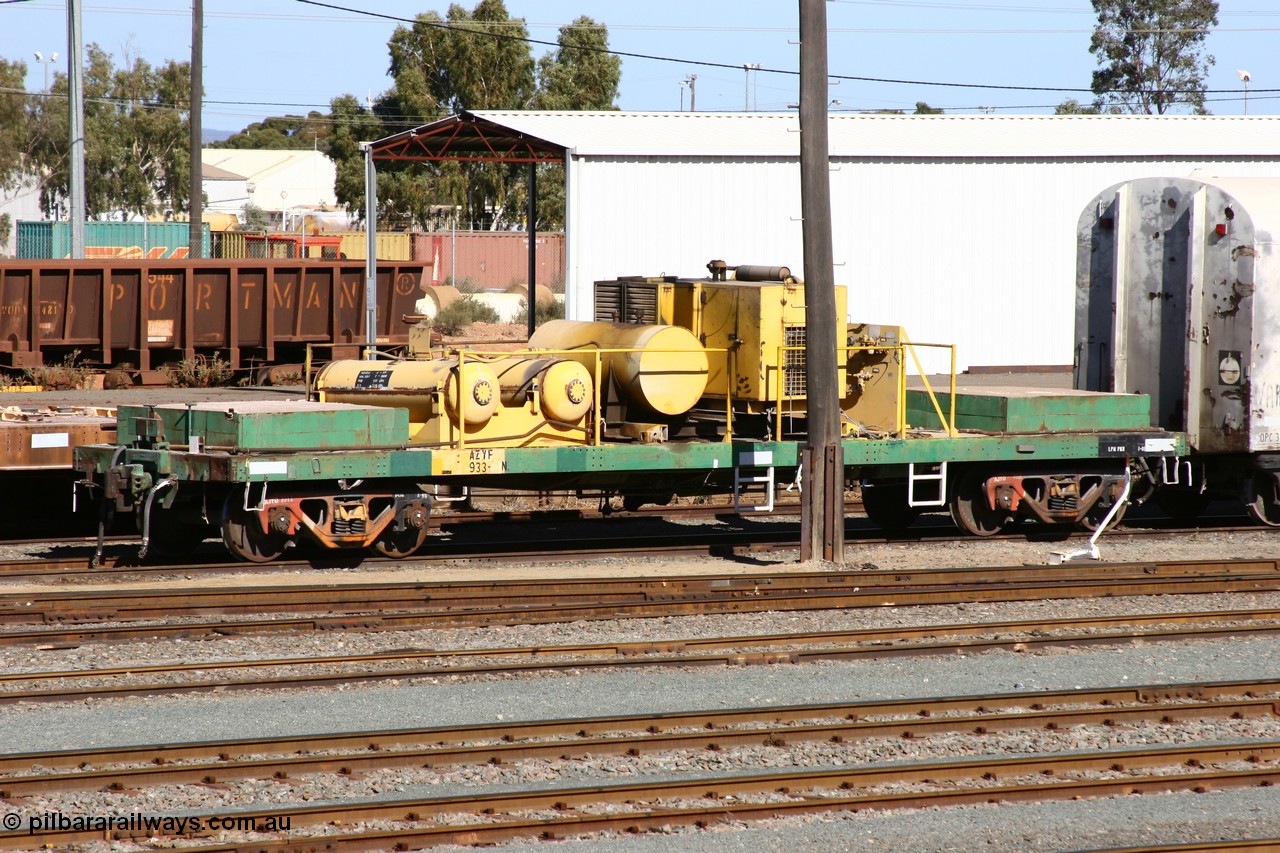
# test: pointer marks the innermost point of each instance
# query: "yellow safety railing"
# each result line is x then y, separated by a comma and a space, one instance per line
948, 422
902, 349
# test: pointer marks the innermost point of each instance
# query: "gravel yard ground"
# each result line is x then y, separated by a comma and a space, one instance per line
450, 701
1063, 826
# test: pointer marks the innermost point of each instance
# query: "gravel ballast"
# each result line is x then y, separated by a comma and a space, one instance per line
1041, 827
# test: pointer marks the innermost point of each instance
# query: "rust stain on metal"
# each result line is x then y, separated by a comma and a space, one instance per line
148, 313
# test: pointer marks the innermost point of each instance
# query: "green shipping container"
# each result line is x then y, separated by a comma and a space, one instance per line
110, 240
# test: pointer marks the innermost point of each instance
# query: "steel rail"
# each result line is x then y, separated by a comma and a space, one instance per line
442, 736
222, 768
659, 819
141, 603
1209, 625
125, 565
1248, 845
362, 614
981, 775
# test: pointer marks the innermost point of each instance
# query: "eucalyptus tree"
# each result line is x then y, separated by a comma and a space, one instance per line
1151, 54
579, 75
14, 138
137, 159
478, 59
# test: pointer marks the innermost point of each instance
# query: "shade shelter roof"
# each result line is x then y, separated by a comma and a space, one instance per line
468, 138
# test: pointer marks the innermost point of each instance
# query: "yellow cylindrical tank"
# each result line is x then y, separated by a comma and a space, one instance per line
564, 386
665, 371
413, 385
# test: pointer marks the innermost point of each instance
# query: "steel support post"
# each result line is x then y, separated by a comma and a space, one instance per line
531, 217
371, 252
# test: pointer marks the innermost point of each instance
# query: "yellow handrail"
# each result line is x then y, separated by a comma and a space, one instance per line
948, 423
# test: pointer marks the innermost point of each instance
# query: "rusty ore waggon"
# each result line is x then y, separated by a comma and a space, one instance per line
678, 386
142, 314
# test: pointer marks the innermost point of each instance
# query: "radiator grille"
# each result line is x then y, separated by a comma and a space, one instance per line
625, 301
794, 380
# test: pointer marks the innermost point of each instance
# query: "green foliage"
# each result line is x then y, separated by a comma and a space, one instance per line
136, 124
546, 309
310, 132
199, 372
579, 75
1072, 107
14, 123
922, 109
6, 227
69, 374
353, 124
255, 219
452, 69
136, 135
1151, 54
472, 60
462, 313
464, 285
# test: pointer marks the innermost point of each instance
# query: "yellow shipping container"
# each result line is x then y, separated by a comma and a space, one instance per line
230, 244
392, 245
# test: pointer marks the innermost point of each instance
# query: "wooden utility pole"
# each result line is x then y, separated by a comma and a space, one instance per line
822, 519
196, 202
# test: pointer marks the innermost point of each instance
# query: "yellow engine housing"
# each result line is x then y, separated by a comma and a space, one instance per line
510, 402
758, 324
660, 368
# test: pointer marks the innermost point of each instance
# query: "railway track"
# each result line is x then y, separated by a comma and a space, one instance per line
534, 537
107, 615
556, 812
755, 650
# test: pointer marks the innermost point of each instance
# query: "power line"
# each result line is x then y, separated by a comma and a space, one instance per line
444, 25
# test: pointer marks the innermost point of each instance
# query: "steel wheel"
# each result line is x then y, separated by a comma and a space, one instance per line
886, 506
244, 538
1091, 519
401, 544
1263, 504
970, 510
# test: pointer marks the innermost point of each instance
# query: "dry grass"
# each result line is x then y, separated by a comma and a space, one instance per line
200, 372
69, 374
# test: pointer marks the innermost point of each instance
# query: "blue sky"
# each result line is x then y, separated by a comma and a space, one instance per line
271, 57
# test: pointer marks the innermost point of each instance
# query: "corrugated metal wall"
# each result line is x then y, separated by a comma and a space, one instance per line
107, 240
390, 246
979, 253
490, 259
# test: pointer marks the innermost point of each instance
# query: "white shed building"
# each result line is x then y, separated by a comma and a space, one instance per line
281, 181
960, 228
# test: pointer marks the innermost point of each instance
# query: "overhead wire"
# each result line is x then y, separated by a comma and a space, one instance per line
365, 14
704, 63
